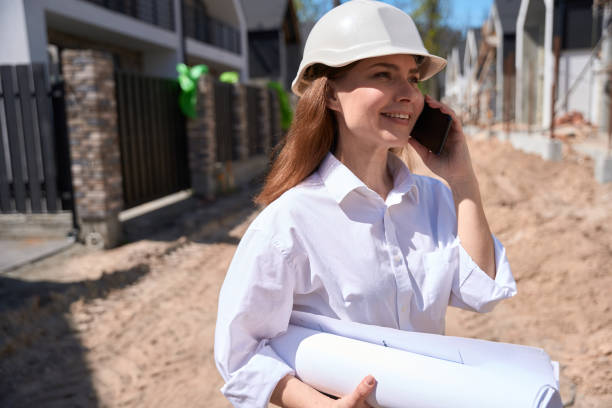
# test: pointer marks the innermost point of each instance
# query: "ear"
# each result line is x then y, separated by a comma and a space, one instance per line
331, 96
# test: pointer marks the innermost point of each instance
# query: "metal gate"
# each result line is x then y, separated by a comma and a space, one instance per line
34, 157
152, 136
224, 124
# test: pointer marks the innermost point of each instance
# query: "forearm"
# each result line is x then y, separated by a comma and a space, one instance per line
472, 226
293, 393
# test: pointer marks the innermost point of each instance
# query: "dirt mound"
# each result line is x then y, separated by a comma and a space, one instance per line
556, 224
134, 327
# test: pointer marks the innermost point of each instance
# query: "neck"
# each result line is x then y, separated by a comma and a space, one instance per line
368, 164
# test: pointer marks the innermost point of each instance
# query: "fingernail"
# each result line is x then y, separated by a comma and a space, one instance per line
371, 380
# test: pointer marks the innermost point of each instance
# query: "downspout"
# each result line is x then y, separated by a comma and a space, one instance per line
520, 34
548, 64
180, 32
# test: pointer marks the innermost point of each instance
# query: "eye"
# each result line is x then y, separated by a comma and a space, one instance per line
414, 80
383, 75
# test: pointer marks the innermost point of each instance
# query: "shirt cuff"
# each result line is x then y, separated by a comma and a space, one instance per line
252, 385
477, 289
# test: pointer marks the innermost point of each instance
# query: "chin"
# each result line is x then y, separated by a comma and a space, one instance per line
393, 140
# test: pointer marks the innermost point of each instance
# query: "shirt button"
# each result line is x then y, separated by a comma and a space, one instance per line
397, 259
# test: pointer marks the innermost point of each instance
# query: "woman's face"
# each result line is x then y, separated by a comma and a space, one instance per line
377, 101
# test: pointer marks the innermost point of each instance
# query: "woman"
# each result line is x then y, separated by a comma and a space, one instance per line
348, 231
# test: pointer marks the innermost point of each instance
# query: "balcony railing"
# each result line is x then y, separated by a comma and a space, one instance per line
198, 25
159, 13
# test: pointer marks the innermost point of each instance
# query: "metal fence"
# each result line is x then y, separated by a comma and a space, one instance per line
152, 136
156, 12
199, 25
224, 109
28, 153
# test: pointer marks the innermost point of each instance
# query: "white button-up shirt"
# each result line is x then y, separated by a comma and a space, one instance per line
334, 247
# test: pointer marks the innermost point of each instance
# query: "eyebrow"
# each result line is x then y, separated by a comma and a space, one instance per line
391, 66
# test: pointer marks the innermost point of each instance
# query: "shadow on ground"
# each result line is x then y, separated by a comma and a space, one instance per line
188, 217
42, 361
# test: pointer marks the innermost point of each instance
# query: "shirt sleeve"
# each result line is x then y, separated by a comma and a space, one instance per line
255, 305
473, 289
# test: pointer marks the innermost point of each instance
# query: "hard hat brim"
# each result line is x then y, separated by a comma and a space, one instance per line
430, 66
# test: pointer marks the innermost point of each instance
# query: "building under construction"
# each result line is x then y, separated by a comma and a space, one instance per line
533, 60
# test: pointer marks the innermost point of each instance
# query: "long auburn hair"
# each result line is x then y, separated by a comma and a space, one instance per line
312, 134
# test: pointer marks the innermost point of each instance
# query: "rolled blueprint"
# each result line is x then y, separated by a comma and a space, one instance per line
416, 369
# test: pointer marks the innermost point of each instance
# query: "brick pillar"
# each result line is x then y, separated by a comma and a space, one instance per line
91, 112
264, 119
241, 138
202, 142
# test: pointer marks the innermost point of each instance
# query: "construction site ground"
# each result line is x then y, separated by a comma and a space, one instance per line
134, 326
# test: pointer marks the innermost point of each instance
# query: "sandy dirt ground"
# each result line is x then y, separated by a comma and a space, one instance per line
133, 326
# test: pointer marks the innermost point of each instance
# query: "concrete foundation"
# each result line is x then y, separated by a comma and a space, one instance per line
545, 147
104, 233
552, 150
603, 169
249, 169
16, 226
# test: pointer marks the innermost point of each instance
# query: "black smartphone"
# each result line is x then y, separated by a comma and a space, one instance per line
431, 128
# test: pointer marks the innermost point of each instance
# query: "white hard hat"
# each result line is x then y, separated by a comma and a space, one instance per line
361, 29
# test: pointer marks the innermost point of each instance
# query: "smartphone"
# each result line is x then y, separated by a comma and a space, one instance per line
431, 128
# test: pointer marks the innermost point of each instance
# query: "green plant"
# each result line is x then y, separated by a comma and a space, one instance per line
283, 101
188, 82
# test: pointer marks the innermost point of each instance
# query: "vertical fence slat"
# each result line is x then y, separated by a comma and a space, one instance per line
181, 141
46, 136
16, 153
172, 117
136, 186
122, 119
138, 141
175, 117
164, 103
5, 194
29, 137
62, 146
124, 114
155, 138
147, 143
140, 169
145, 152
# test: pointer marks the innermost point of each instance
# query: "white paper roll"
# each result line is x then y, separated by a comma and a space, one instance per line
487, 374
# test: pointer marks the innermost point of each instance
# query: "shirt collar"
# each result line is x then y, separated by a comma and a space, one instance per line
340, 180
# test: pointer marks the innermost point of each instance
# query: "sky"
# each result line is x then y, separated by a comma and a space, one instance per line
462, 14
468, 13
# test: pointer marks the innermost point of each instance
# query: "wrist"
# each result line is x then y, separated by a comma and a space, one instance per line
465, 188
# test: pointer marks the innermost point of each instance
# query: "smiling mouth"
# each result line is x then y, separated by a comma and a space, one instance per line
397, 115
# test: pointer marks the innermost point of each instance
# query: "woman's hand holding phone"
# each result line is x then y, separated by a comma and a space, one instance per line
453, 164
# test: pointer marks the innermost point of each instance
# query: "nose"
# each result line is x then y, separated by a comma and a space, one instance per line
407, 91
